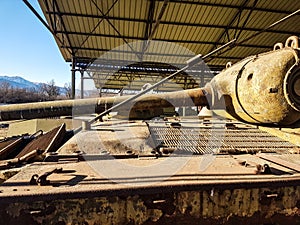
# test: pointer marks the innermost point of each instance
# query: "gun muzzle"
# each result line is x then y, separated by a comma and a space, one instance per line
292, 87
263, 89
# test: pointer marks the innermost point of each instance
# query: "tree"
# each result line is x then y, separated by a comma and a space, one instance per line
68, 90
10, 94
50, 89
4, 90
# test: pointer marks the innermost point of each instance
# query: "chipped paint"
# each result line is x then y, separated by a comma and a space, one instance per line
222, 206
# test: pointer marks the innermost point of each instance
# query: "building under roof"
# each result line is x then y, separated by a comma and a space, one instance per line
128, 43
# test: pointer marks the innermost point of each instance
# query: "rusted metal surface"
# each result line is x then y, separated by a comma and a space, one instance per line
81, 196
42, 179
205, 137
10, 147
82, 178
113, 137
228, 191
6, 174
17, 161
47, 142
250, 206
17, 151
193, 136
279, 161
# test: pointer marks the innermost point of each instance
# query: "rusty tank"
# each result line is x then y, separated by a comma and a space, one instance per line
147, 168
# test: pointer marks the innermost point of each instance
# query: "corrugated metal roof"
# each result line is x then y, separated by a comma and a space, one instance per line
87, 30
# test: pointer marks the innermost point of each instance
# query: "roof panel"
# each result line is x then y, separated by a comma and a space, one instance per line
286, 5
88, 29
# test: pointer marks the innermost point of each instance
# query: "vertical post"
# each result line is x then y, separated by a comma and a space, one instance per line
204, 73
73, 70
81, 84
100, 92
185, 86
183, 111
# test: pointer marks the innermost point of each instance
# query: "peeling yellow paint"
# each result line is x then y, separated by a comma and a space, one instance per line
205, 204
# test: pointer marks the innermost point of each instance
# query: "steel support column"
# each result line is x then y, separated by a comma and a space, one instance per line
82, 84
73, 72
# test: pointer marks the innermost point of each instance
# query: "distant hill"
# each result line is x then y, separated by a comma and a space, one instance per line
20, 82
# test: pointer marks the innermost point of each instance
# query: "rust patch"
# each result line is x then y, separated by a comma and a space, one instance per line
206, 207
47, 142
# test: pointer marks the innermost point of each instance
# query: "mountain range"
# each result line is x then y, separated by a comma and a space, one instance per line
20, 82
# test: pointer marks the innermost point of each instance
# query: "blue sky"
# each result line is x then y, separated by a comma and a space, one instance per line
27, 48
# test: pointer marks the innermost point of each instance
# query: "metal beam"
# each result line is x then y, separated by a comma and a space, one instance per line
115, 29
236, 36
99, 22
168, 40
52, 21
156, 25
38, 16
81, 84
121, 51
260, 32
86, 63
158, 19
223, 5
73, 71
148, 27
233, 19
150, 20
63, 25
176, 23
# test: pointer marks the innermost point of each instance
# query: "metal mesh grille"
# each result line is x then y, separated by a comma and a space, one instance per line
200, 139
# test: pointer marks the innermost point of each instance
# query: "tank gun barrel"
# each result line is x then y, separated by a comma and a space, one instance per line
191, 97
